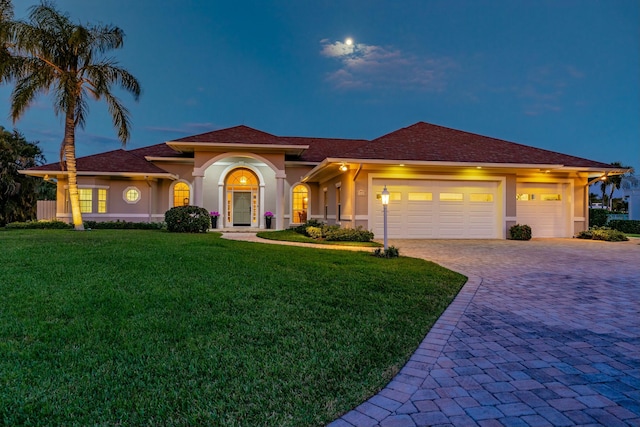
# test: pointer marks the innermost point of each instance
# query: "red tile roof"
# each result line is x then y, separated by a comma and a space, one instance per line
427, 142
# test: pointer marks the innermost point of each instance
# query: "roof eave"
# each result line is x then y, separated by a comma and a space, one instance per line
42, 173
187, 147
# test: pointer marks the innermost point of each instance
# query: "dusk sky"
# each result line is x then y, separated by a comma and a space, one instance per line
561, 75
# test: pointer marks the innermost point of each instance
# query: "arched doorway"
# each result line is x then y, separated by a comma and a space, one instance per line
242, 191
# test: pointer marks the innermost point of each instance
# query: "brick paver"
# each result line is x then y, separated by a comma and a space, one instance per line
544, 332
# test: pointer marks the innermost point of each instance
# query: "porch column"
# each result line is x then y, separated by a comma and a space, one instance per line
221, 205
261, 222
279, 203
197, 189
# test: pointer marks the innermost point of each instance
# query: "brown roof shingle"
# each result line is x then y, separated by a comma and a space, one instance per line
427, 142
116, 161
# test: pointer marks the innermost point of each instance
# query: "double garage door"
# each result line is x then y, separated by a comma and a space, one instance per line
423, 209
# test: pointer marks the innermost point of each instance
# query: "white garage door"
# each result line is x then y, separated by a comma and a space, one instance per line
420, 209
543, 207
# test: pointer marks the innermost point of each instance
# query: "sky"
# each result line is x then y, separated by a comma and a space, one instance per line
561, 75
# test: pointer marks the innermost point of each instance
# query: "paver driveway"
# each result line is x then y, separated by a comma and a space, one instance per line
545, 332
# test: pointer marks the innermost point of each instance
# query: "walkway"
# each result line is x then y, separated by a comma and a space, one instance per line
544, 333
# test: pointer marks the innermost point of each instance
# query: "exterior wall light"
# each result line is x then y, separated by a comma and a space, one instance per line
343, 168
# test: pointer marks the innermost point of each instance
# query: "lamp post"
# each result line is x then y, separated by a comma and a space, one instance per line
385, 202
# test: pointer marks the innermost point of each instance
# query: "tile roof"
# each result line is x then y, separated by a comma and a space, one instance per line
158, 150
234, 135
428, 142
321, 148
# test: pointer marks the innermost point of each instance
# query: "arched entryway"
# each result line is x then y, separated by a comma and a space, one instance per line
242, 188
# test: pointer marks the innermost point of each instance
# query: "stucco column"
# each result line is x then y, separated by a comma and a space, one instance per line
197, 190
261, 220
221, 206
279, 203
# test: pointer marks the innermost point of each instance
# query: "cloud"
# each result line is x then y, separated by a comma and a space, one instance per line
545, 88
362, 66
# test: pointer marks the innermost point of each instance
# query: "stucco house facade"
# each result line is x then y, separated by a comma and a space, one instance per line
443, 183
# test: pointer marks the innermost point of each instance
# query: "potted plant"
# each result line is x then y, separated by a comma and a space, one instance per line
267, 218
214, 218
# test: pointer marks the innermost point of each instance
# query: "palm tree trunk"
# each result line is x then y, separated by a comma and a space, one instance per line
69, 149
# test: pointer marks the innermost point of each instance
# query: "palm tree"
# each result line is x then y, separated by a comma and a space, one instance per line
51, 54
614, 181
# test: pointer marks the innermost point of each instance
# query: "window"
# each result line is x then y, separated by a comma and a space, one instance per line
393, 196
181, 194
338, 203
420, 196
299, 203
102, 200
481, 197
550, 197
451, 197
524, 197
131, 195
86, 199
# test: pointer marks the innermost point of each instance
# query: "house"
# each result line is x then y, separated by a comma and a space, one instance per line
443, 183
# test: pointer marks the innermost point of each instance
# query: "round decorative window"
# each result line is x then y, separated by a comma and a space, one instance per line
131, 195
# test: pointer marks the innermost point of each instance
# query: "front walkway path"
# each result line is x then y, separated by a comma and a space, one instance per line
544, 333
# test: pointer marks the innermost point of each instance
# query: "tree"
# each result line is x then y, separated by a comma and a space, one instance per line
51, 54
18, 193
614, 182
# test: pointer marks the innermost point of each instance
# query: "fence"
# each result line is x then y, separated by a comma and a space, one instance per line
46, 210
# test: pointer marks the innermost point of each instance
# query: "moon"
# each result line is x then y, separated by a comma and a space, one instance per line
348, 41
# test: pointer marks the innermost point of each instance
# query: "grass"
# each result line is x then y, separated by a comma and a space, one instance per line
292, 236
131, 327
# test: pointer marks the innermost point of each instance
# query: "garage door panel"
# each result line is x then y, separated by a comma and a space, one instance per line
537, 208
439, 209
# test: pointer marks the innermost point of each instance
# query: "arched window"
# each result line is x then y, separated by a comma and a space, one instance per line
181, 194
299, 203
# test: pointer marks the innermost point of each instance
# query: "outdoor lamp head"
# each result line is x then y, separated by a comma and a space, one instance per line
385, 196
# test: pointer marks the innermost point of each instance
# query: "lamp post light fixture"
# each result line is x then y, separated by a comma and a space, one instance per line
385, 203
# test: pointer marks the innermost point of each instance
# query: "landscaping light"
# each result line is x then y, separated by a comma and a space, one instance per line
385, 202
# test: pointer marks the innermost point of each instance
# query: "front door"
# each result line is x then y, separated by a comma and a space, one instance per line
242, 208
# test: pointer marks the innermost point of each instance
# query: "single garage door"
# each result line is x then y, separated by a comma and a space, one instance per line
423, 209
543, 207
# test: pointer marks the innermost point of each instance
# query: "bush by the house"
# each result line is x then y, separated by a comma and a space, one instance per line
313, 232
358, 234
602, 233
123, 225
187, 219
598, 217
629, 226
520, 232
302, 229
38, 225
390, 252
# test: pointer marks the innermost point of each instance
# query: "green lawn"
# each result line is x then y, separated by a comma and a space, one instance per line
130, 327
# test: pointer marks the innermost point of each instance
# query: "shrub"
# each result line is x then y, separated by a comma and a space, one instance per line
390, 252
520, 232
630, 226
123, 225
187, 219
313, 232
603, 233
349, 234
302, 229
33, 225
598, 217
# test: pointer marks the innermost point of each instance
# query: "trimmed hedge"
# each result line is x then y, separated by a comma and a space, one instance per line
123, 225
39, 225
520, 232
390, 252
630, 226
318, 230
598, 217
187, 219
